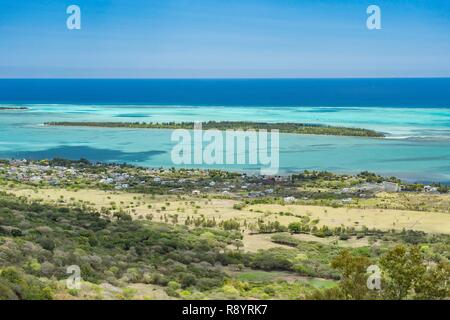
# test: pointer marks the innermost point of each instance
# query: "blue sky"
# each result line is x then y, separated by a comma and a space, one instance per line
223, 39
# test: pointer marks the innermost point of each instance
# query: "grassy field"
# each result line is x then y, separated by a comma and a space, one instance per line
265, 276
383, 219
141, 206
255, 242
414, 201
255, 264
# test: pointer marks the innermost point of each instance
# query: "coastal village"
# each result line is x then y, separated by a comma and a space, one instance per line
63, 173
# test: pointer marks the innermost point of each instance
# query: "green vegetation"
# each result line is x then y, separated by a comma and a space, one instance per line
38, 241
296, 128
146, 242
15, 285
42, 240
404, 276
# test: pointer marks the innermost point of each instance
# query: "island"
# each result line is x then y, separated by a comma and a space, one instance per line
13, 108
288, 127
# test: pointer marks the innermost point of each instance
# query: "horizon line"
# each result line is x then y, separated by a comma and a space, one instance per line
223, 78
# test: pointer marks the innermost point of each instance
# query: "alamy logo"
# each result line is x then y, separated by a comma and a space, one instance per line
230, 147
374, 20
374, 280
74, 20
73, 282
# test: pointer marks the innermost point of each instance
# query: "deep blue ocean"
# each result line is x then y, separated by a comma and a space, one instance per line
422, 93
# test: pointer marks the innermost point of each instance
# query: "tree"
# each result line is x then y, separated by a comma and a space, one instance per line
353, 283
435, 284
402, 270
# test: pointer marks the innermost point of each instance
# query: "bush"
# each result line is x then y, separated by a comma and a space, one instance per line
14, 283
273, 259
295, 227
344, 236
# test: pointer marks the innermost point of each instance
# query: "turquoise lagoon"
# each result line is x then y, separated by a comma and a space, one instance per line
417, 146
